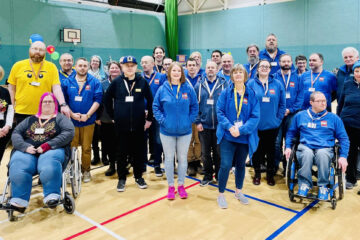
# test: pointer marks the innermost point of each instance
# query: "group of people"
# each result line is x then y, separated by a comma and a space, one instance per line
215, 117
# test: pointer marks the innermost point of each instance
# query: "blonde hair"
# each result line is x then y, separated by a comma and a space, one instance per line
238, 68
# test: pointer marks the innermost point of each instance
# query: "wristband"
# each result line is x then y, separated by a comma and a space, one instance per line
45, 147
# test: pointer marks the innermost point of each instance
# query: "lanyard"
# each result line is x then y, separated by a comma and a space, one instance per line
152, 79
286, 82
178, 89
36, 75
308, 111
251, 68
127, 86
42, 124
313, 81
266, 86
208, 88
238, 108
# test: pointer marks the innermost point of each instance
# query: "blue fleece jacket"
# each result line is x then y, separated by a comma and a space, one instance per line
342, 76
275, 66
349, 104
251, 72
63, 76
194, 80
222, 75
295, 89
175, 115
327, 128
90, 93
155, 80
250, 116
207, 112
272, 112
325, 83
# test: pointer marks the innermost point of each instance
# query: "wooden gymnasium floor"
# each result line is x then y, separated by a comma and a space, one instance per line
103, 213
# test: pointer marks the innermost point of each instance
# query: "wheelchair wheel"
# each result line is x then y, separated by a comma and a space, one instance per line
69, 203
75, 173
341, 185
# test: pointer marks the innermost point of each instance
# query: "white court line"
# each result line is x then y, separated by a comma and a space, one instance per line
98, 225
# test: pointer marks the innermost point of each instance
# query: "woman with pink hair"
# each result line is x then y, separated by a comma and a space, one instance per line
39, 143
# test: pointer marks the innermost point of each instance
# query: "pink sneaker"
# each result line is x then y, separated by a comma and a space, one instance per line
182, 192
171, 193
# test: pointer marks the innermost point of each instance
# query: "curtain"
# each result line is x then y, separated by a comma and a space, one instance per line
171, 28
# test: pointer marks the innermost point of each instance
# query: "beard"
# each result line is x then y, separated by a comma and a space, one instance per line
36, 58
271, 49
253, 60
285, 68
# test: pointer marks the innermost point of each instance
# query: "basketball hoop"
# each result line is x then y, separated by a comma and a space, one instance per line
76, 41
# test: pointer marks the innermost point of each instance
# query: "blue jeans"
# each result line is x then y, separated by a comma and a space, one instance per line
180, 145
284, 127
23, 166
306, 157
230, 151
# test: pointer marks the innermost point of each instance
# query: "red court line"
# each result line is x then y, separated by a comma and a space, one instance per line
124, 214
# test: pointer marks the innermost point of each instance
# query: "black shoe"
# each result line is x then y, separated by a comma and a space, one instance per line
95, 161
359, 192
158, 172
270, 181
121, 185
141, 183
151, 162
105, 161
111, 171
191, 171
8, 206
52, 203
205, 182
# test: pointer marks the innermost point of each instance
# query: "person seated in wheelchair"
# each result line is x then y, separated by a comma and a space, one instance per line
39, 143
317, 130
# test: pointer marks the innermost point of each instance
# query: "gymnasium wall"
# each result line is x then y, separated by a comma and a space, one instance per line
108, 32
302, 27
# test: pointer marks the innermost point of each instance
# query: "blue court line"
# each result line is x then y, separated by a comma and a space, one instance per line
251, 197
292, 220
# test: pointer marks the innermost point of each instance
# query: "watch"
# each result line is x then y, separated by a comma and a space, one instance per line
63, 105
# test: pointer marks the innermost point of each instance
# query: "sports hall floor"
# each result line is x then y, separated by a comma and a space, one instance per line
103, 213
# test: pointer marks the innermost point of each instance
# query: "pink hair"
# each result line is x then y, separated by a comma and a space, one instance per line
41, 100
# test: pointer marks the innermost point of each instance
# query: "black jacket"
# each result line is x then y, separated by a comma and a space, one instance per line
129, 116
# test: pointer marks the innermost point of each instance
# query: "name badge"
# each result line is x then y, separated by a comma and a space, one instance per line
273, 64
266, 99
311, 125
311, 89
210, 101
39, 130
137, 89
36, 84
129, 99
238, 124
1, 116
288, 95
78, 98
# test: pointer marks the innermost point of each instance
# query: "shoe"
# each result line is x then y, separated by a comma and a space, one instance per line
241, 197
52, 203
151, 162
222, 202
158, 172
303, 190
323, 193
233, 170
9, 206
201, 170
350, 185
182, 193
141, 183
171, 193
191, 171
121, 185
111, 171
256, 180
105, 161
205, 182
270, 181
86, 177
95, 161
359, 192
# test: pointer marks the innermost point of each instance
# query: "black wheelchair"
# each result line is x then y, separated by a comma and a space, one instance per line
71, 173
337, 178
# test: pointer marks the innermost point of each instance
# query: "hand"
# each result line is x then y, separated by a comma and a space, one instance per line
76, 116
98, 122
200, 127
66, 111
4, 131
83, 117
31, 150
234, 131
147, 125
287, 153
287, 112
39, 150
343, 164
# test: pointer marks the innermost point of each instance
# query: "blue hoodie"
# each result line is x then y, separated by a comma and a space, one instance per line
222, 75
327, 129
63, 76
325, 83
90, 93
155, 80
275, 66
175, 115
227, 115
295, 89
252, 72
342, 76
194, 80
271, 113
207, 112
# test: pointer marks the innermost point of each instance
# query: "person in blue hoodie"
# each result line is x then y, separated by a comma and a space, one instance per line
252, 52
349, 112
227, 63
301, 63
294, 93
271, 95
208, 90
238, 113
83, 94
175, 108
67, 70
271, 52
318, 130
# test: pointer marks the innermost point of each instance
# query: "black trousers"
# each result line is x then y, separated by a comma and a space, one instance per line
108, 145
354, 137
4, 140
130, 143
95, 142
210, 153
266, 148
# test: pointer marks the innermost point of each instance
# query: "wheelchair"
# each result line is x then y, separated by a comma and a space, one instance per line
336, 177
71, 171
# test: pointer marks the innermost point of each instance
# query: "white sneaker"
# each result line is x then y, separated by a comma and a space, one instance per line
86, 177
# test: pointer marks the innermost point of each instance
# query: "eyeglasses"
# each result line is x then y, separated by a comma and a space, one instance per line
47, 102
264, 67
320, 101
